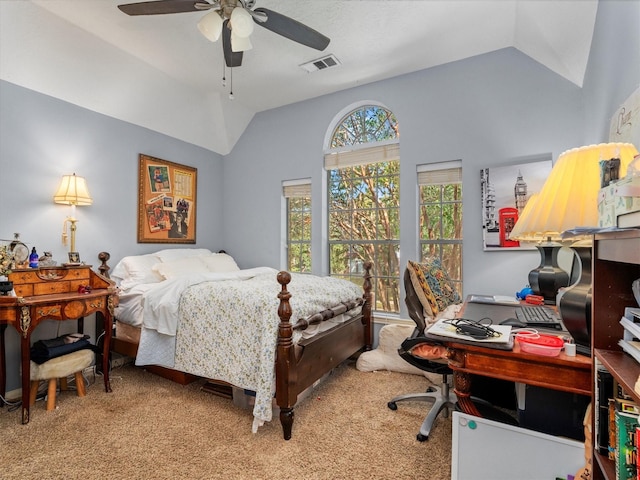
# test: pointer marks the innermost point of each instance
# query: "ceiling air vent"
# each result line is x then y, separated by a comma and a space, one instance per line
321, 63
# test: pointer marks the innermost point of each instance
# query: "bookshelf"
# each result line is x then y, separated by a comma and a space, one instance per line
616, 264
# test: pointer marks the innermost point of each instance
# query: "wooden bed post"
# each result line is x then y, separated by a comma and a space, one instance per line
285, 374
104, 268
367, 320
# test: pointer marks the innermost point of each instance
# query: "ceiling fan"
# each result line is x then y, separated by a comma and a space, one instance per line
233, 20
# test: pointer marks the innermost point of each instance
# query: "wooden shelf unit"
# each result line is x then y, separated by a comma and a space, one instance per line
615, 265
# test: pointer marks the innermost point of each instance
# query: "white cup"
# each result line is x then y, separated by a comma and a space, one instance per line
570, 349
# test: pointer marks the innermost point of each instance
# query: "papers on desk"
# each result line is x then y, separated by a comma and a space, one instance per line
443, 329
494, 299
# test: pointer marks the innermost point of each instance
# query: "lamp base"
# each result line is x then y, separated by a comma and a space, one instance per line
574, 303
548, 278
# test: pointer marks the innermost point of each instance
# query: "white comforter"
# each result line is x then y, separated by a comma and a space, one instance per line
161, 303
225, 326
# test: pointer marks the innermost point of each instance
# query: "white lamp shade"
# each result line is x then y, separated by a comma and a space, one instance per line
569, 197
241, 22
239, 44
73, 190
211, 26
523, 229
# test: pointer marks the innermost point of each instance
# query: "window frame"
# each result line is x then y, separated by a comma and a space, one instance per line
299, 190
441, 174
366, 152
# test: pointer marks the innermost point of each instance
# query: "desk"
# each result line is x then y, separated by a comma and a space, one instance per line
568, 374
52, 294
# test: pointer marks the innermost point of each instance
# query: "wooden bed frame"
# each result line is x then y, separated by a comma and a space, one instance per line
297, 366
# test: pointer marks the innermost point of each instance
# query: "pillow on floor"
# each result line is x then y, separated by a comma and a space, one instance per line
386, 356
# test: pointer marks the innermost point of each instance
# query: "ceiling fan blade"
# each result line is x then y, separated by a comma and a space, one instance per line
160, 7
231, 58
292, 29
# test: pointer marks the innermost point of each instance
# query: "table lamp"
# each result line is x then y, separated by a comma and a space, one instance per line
567, 201
72, 191
548, 277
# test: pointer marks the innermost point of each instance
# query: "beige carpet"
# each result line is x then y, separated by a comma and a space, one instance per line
151, 428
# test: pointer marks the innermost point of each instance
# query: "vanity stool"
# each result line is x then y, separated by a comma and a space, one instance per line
60, 368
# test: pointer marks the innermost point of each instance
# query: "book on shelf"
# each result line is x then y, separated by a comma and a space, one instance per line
637, 440
604, 391
629, 220
626, 451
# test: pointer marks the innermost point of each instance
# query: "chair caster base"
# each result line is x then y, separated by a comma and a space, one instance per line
422, 438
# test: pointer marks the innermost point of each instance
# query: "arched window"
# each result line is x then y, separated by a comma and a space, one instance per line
363, 170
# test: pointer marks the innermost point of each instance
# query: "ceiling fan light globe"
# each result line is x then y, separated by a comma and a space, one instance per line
241, 22
240, 44
211, 26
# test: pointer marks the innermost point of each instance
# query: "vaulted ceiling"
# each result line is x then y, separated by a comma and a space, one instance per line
159, 72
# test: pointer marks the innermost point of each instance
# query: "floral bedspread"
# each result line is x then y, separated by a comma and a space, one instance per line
228, 330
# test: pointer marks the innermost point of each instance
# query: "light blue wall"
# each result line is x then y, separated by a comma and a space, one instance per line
490, 110
41, 139
613, 72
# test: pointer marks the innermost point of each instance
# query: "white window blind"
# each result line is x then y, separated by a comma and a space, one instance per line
441, 173
296, 188
362, 156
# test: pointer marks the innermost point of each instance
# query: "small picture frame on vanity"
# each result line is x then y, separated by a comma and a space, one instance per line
74, 258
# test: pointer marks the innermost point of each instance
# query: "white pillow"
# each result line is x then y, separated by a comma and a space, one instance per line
220, 263
171, 254
179, 267
136, 269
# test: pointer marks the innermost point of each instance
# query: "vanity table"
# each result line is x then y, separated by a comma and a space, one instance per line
52, 293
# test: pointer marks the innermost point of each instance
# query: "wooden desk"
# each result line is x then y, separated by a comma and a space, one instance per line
568, 374
52, 294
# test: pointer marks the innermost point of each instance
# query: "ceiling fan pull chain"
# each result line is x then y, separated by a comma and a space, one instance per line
231, 86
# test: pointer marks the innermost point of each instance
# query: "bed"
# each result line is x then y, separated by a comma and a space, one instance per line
194, 312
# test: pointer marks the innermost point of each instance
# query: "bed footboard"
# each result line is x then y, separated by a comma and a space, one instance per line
298, 367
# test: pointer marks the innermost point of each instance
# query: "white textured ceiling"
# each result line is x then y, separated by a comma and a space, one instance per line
161, 73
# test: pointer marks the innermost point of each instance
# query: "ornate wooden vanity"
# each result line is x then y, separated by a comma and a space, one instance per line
54, 293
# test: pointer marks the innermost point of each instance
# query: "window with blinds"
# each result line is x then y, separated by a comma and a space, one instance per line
363, 171
440, 215
297, 194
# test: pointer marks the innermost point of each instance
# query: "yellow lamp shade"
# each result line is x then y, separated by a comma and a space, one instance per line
73, 190
569, 197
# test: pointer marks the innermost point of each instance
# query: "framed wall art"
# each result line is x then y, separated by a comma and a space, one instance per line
505, 192
166, 201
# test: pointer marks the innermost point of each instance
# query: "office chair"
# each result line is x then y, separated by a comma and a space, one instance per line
441, 396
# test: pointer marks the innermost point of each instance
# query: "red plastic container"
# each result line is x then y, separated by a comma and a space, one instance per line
540, 344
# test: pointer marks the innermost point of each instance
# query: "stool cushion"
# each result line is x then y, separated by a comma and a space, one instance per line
62, 366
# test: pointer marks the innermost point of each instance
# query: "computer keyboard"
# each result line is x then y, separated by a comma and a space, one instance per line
539, 316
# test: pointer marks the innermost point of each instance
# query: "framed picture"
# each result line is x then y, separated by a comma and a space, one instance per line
505, 192
166, 201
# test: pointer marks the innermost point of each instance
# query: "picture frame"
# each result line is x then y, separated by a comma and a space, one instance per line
505, 191
167, 201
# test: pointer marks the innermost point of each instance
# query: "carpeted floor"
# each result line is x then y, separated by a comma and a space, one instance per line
151, 428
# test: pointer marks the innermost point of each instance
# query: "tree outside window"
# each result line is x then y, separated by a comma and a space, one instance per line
298, 198
364, 201
441, 216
